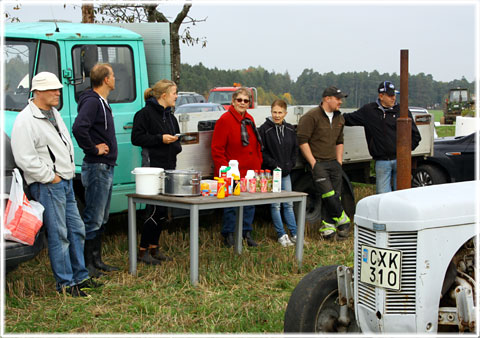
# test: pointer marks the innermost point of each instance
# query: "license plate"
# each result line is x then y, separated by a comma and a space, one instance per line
381, 267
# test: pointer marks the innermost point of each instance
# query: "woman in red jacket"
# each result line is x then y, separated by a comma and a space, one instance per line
235, 137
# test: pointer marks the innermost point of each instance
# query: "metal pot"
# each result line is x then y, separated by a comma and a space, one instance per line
182, 183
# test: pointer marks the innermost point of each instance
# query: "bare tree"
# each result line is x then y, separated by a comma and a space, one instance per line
150, 13
88, 15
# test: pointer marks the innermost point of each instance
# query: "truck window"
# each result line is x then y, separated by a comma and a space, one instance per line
120, 57
19, 59
220, 97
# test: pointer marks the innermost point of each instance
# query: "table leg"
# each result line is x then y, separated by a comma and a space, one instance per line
239, 231
194, 244
300, 231
132, 237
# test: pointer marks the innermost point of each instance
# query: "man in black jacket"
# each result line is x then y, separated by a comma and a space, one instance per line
379, 119
94, 130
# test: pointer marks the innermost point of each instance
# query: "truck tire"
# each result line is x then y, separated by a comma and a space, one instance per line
313, 304
427, 174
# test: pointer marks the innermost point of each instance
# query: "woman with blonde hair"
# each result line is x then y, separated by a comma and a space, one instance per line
154, 129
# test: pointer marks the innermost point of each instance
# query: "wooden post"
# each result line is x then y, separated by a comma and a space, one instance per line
404, 129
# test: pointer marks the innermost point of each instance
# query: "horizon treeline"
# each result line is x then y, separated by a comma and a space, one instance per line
361, 87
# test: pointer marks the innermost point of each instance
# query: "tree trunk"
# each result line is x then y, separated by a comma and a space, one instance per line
87, 13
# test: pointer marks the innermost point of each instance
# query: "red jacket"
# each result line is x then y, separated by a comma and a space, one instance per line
227, 143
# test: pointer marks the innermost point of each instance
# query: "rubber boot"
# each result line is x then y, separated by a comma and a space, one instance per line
157, 254
88, 254
97, 256
144, 257
249, 239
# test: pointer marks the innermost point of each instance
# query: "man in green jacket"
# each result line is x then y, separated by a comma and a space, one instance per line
320, 138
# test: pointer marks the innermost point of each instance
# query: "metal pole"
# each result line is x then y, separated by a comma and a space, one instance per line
404, 129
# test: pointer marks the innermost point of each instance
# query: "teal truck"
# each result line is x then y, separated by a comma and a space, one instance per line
69, 50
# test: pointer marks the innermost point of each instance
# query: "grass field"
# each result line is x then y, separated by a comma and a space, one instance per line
241, 294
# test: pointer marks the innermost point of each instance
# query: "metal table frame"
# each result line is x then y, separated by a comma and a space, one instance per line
197, 203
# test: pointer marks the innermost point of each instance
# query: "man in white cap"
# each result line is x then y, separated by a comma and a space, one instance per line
43, 149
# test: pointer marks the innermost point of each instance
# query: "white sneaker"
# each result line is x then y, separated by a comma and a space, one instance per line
294, 239
285, 241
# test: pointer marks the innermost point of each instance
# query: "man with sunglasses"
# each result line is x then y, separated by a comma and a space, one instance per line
379, 119
235, 137
43, 149
320, 138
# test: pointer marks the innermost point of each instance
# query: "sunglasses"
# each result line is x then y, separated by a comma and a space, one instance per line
242, 100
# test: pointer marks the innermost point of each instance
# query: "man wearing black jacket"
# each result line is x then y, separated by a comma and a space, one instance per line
379, 119
94, 130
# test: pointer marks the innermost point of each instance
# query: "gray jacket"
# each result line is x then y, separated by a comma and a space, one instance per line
39, 149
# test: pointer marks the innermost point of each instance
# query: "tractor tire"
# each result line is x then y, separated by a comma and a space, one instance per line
427, 174
313, 305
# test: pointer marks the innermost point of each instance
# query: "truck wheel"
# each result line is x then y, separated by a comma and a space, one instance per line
427, 174
313, 305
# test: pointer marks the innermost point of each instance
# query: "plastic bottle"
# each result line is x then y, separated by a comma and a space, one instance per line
236, 185
257, 180
220, 187
268, 176
251, 182
234, 170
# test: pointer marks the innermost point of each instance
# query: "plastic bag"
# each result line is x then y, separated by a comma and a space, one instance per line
23, 218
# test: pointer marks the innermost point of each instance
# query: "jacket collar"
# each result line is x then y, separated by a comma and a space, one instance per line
36, 111
238, 116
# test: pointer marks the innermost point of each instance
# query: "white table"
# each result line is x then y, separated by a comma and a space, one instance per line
197, 203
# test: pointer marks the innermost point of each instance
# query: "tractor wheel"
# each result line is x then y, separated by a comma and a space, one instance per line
313, 305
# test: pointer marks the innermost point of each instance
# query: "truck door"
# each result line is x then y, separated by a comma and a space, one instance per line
124, 100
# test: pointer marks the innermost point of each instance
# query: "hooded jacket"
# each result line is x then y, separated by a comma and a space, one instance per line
94, 125
381, 129
149, 125
280, 146
227, 143
39, 149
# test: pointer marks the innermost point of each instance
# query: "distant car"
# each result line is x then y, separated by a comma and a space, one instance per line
189, 97
199, 108
453, 161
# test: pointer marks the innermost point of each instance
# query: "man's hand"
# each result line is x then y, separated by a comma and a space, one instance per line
56, 179
102, 149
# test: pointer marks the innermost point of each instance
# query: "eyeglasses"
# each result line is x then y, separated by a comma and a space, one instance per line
242, 100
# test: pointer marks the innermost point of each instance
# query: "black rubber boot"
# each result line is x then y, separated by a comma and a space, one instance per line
97, 256
228, 240
249, 239
144, 257
88, 254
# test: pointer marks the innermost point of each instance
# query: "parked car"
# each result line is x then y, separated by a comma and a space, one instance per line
189, 97
453, 161
16, 253
199, 108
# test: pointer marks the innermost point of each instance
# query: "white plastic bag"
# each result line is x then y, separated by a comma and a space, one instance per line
23, 218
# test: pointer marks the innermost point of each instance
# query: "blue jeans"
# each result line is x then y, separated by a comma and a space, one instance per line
385, 171
288, 214
97, 179
230, 219
65, 231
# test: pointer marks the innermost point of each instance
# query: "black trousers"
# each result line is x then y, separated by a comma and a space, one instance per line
327, 178
157, 216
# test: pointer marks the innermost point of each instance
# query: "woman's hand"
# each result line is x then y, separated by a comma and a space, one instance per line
167, 138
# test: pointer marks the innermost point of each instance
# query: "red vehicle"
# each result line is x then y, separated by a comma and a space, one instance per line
223, 95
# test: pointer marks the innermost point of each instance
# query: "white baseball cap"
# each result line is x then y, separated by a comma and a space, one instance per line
45, 81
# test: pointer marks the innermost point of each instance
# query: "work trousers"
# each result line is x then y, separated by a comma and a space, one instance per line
327, 179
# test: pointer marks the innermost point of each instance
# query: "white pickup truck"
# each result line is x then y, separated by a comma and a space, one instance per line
196, 152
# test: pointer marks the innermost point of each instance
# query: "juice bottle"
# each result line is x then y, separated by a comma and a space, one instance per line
220, 187
257, 180
236, 185
268, 176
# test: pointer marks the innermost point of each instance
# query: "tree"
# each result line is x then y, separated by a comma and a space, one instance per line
150, 13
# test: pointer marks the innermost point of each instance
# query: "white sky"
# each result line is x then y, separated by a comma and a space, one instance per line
337, 36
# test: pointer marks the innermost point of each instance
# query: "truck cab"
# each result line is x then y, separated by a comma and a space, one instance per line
223, 96
70, 50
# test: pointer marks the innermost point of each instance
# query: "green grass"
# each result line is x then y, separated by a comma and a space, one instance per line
247, 293
437, 114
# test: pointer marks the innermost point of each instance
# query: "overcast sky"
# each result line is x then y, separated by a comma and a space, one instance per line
337, 36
